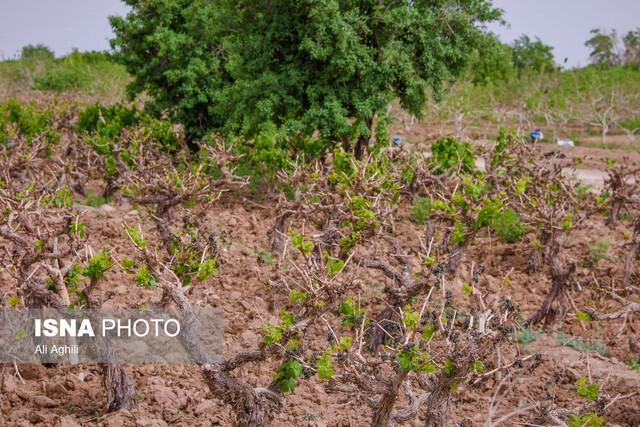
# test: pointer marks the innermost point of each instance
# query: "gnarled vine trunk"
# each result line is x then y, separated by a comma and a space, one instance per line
559, 279
633, 253
252, 406
537, 256
382, 415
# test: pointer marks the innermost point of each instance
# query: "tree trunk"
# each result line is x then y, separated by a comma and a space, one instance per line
456, 255
363, 142
633, 253
377, 333
346, 144
536, 256
382, 415
614, 212
276, 234
120, 391
559, 279
437, 416
253, 407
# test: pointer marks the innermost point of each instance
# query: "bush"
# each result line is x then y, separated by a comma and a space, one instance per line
531, 54
421, 208
92, 73
79, 71
5, 137
28, 121
38, 51
63, 79
508, 226
311, 69
93, 57
106, 121
268, 154
161, 132
449, 152
493, 65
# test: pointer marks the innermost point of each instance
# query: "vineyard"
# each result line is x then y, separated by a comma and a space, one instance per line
433, 283
362, 189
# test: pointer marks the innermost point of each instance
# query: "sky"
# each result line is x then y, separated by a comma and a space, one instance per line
65, 24
59, 24
565, 24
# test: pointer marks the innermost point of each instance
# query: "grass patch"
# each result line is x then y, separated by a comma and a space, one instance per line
527, 335
421, 209
582, 191
93, 200
265, 257
612, 145
578, 343
625, 216
600, 248
92, 73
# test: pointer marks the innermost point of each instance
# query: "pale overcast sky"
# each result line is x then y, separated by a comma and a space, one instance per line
59, 24
565, 24
65, 24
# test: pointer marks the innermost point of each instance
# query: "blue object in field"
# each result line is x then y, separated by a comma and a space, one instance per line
396, 140
535, 135
567, 143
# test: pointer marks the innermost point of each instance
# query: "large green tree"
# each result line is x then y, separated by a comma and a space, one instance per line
532, 54
324, 69
491, 63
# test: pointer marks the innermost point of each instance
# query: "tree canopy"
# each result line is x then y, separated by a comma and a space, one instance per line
491, 63
532, 54
609, 49
39, 51
327, 68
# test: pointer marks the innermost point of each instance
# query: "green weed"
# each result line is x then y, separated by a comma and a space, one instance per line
265, 257
527, 335
582, 191
508, 226
625, 216
421, 209
93, 200
600, 248
578, 343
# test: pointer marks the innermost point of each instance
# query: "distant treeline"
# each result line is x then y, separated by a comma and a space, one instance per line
522, 84
519, 83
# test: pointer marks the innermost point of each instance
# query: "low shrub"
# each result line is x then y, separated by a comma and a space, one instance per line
449, 152
38, 51
508, 226
421, 208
